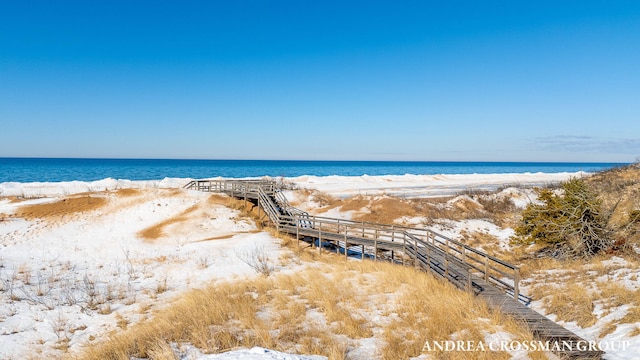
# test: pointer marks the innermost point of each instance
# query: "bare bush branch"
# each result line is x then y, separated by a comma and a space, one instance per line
258, 260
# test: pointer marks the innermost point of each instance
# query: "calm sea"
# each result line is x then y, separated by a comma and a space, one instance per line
47, 169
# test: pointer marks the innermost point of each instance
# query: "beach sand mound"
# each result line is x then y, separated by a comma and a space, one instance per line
386, 210
70, 205
61, 208
158, 230
214, 209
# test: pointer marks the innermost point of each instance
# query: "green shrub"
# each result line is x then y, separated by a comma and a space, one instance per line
570, 221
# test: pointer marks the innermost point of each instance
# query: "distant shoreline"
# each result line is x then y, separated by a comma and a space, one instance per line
336, 185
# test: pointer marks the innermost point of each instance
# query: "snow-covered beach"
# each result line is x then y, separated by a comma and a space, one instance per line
69, 279
341, 186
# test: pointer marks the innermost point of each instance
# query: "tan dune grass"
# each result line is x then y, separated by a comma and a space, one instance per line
156, 231
355, 203
277, 312
127, 192
67, 206
387, 210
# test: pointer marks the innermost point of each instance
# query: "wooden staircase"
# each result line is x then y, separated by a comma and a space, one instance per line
496, 281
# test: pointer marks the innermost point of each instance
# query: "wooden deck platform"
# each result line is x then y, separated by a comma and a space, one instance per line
492, 279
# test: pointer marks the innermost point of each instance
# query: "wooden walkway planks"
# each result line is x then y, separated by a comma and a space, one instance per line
490, 278
571, 346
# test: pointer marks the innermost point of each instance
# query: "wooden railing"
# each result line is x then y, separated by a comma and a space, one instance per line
461, 264
232, 187
447, 257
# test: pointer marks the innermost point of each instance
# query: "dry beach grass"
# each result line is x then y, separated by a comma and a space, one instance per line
64, 207
324, 309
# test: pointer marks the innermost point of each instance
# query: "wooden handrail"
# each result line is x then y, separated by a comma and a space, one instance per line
284, 216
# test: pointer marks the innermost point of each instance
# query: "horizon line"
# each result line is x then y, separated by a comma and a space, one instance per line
315, 160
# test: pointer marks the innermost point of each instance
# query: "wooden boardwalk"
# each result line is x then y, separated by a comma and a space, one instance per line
496, 281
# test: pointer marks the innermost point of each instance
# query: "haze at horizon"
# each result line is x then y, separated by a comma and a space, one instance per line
461, 81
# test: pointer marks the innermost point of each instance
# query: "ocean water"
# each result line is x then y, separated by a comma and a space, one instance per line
53, 170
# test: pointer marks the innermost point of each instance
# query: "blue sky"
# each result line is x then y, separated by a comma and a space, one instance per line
359, 80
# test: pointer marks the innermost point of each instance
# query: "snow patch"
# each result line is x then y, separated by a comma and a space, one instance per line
258, 353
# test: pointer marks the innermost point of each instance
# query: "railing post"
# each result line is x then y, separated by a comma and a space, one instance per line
346, 246
446, 263
313, 226
375, 249
469, 282
516, 284
486, 268
446, 258
416, 261
404, 248
362, 254
298, 231
320, 240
